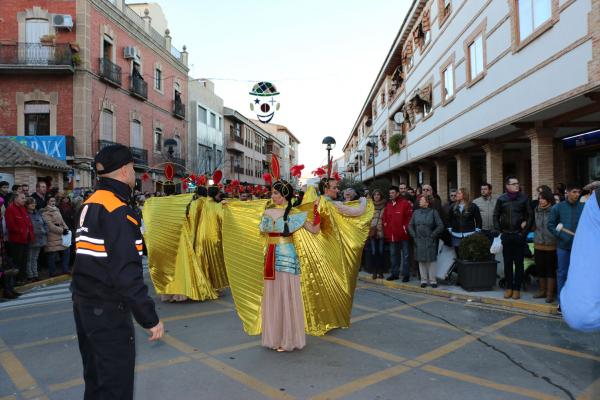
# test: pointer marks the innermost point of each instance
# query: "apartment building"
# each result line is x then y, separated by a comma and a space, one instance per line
289, 152
248, 149
473, 91
205, 131
93, 72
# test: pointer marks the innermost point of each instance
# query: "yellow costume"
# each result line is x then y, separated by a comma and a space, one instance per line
329, 262
184, 254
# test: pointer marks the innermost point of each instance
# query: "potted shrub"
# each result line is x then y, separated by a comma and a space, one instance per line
48, 40
395, 142
476, 267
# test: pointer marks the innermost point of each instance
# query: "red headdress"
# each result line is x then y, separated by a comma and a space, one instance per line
267, 178
337, 176
217, 176
319, 172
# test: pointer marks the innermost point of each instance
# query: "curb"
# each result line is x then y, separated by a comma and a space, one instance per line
547, 309
50, 281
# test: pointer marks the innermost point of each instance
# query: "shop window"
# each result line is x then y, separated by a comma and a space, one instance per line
37, 118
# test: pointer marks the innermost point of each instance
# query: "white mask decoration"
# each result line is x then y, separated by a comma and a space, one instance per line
264, 102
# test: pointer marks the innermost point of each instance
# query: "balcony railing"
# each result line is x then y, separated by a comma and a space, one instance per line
238, 170
110, 72
140, 156
138, 87
179, 109
104, 143
24, 56
236, 138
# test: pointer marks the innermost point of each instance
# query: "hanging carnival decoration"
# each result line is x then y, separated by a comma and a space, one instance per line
264, 102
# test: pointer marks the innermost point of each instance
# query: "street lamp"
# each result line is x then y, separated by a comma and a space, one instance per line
329, 143
360, 158
372, 143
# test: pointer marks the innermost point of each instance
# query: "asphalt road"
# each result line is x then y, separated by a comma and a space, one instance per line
401, 346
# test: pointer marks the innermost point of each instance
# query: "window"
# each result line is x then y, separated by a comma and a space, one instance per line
107, 125
444, 8
218, 123
158, 134
136, 134
212, 120
37, 118
448, 83
202, 114
158, 79
532, 14
475, 58
107, 49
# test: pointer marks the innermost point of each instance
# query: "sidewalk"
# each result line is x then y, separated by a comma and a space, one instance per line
493, 297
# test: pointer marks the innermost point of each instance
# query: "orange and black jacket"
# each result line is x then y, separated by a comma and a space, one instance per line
108, 261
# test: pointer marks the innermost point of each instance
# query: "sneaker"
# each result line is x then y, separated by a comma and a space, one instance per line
423, 285
392, 278
405, 279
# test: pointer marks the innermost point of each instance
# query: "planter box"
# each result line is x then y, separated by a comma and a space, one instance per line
477, 275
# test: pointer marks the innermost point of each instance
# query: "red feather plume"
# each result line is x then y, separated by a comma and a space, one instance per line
217, 176
296, 170
275, 167
267, 178
201, 180
145, 177
337, 176
318, 172
235, 183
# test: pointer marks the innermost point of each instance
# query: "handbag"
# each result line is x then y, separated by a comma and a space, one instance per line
496, 245
66, 239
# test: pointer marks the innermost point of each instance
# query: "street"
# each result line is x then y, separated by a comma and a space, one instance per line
400, 345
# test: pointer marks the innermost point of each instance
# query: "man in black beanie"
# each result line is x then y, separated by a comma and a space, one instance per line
108, 285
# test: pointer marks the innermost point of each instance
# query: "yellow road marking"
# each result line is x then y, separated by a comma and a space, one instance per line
547, 347
463, 341
364, 308
196, 315
592, 392
233, 349
18, 374
364, 349
245, 379
361, 383
11, 397
179, 345
65, 385
490, 384
390, 310
425, 322
224, 303
29, 316
59, 339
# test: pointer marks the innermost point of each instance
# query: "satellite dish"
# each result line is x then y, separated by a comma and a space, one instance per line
399, 118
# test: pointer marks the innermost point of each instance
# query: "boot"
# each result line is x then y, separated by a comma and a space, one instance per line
551, 290
516, 294
543, 288
508, 293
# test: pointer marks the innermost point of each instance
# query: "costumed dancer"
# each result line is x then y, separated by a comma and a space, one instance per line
270, 259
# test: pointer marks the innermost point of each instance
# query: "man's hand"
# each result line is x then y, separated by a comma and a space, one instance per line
523, 224
559, 227
157, 332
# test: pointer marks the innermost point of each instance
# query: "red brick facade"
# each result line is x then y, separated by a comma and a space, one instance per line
101, 17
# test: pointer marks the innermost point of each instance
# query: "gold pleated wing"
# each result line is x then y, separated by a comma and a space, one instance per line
329, 263
208, 244
244, 252
169, 237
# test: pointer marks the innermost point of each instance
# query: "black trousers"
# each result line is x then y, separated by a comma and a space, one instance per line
513, 246
18, 254
545, 262
107, 345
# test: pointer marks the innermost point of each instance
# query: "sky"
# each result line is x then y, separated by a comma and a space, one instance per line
323, 57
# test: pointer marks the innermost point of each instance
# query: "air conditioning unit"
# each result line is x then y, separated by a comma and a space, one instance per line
62, 21
129, 52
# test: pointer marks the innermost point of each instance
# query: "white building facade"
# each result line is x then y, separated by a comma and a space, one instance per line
473, 91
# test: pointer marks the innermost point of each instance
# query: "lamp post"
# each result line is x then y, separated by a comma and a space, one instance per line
360, 158
372, 143
329, 143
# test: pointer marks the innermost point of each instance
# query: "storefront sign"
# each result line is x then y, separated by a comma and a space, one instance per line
53, 146
583, 139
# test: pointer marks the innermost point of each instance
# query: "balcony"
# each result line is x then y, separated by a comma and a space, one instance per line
138, 87
236, 143
36, 57
110, 72
178, 109
140, 156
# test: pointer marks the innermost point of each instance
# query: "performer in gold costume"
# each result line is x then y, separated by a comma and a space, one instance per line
325, 264
183, 237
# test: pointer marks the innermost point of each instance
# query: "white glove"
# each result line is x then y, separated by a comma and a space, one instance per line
559, 227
